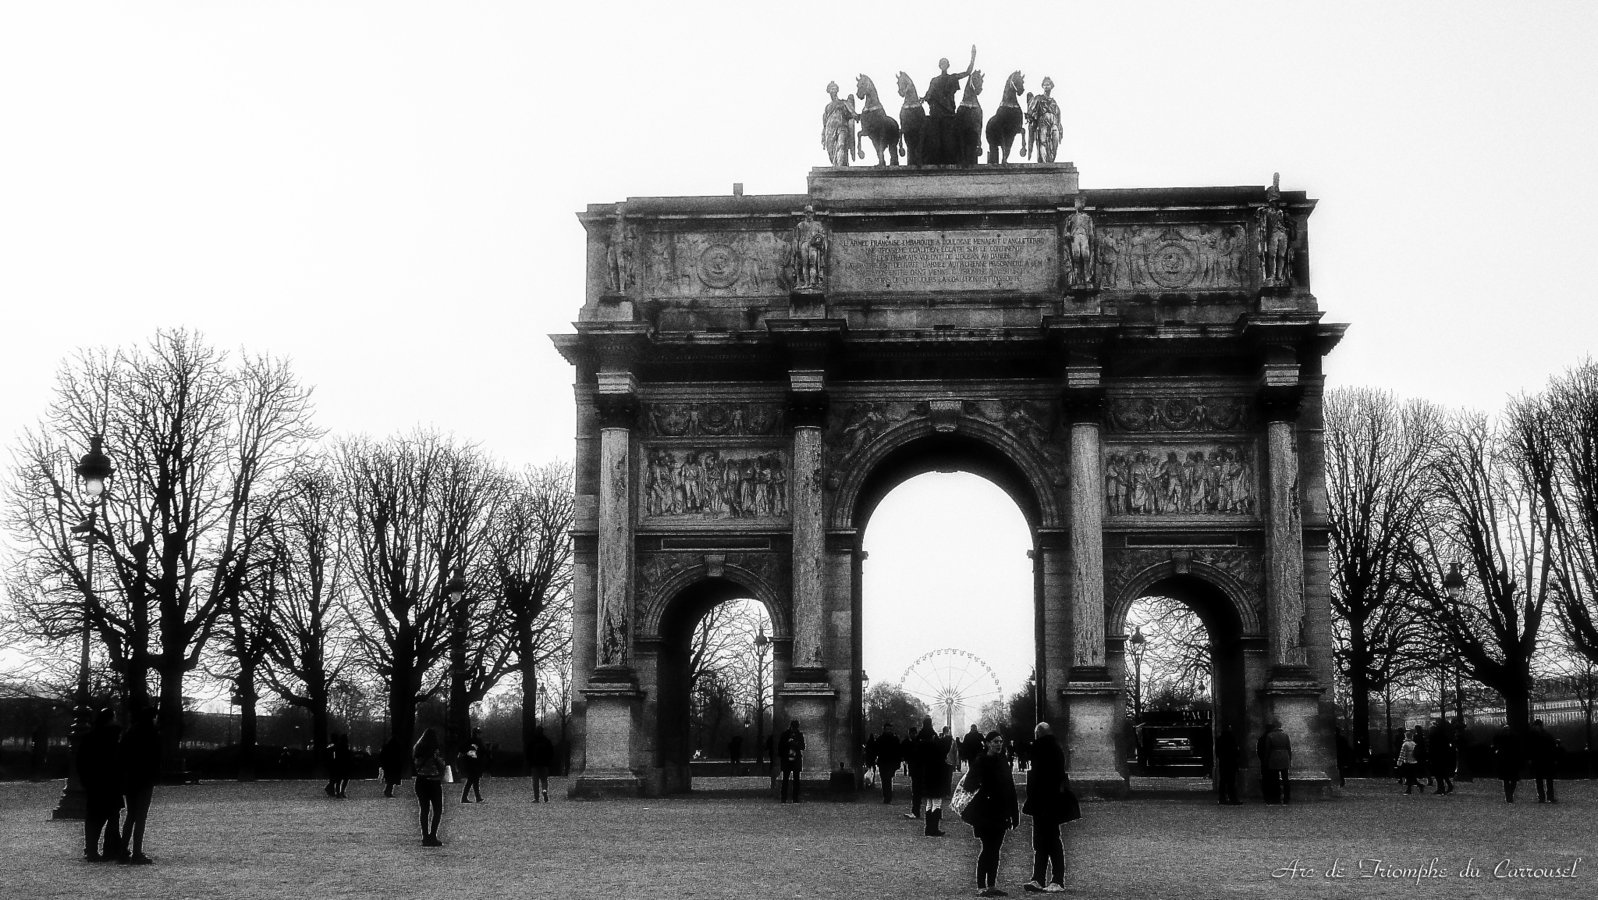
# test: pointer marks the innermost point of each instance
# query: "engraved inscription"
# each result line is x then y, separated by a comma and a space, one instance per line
946, 261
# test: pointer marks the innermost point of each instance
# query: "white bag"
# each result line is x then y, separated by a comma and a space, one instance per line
449, 774
871, 777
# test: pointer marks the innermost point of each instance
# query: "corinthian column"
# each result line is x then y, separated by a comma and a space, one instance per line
613, 642
1284, 536
808, 413
1084, 412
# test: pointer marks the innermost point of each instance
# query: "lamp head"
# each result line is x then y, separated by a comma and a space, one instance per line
94, 469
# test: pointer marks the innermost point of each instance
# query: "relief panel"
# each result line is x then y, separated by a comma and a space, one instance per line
733, 419
698, 484
730, 263
1203, 479
1179, 414
1172, 257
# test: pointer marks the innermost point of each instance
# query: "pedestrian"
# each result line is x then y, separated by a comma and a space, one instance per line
791, 753
427, 761
1508, 757
1046, 803
1423, 755
1276, 756
1408, 763
992, 810
341, 764
471, 759
1444, 756
1227, 755
100, 771
1544, 760
939, 760
140, 752
735, 750
392, 760
1344, 755
914, 757
890, 755
541, 758
970, 746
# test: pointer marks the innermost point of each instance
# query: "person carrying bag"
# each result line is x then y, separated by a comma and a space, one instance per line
991, 809
1050, 802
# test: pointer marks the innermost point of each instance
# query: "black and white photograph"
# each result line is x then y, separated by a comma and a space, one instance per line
490, 449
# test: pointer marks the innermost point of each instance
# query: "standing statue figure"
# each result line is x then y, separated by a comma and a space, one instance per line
941, 145
1079, 246
1273, 233
809, 253
875, 123
912, 122
1008, 121
1043, 124
968, 123
837, 127
619, 254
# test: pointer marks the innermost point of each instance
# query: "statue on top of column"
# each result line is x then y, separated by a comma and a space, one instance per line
941, 143
1043, 124
837, 127
619, 254
808, 254
1079, 246
1273, 233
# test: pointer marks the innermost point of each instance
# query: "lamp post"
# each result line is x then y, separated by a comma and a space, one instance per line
93, 471
762, 646
1137, 644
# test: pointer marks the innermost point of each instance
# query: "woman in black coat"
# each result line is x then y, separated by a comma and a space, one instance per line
992, 811
1045, 803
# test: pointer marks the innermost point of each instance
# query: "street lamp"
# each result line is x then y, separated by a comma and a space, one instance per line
93, 471
1453, 582
1137, 642
762, 645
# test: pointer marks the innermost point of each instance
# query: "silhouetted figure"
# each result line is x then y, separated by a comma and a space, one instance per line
791, 754
100, 770
992, 811
140, 752
938, 758
1544, 749
470, 760
970, 746
541, 758
427, 761
1508, 758
1045, 803
1444, 756
890, 755
392, 759
1276, 756
915, 755
1345, 754
1227, 756
735, 749
339, 763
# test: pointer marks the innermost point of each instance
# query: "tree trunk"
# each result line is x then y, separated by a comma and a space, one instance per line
524, 659
247, 724
173, 764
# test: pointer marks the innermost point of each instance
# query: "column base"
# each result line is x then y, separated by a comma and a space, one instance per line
606, 784
611, 721
1093, 723
811, 703
1295, 703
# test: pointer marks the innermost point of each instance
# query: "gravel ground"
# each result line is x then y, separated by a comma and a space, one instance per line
286, 840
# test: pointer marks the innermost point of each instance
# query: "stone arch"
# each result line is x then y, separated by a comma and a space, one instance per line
1240, 598
676, 588
1016, 467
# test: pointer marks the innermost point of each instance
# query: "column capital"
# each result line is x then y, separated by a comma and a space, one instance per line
1280, 404
1083, 405
808, 409
617, 410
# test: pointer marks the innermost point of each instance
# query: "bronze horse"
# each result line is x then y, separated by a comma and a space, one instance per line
875, 123
912, 121
1007, 122
968, 122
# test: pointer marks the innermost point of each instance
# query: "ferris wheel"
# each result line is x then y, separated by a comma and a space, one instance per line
950, 680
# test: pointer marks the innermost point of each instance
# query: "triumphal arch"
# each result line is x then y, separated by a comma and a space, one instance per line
1140, 369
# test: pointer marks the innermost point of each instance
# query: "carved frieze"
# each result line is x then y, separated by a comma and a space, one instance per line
1203, 479
741, 263
1172, 257
716, 418
1033, 423
712, 483
1179, 414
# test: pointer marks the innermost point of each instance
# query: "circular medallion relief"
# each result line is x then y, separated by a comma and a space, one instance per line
1172, 265
719, 266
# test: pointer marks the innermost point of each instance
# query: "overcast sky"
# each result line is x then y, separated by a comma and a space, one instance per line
385, 191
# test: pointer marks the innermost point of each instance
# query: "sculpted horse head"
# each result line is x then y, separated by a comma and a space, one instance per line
907, 89
1014, 85
866, 90
973, 87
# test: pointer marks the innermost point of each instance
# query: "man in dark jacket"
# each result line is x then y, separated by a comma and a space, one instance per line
1276, 757
540, 758
392, 759
1544, 761
1045, 803
101, 774
141, 769
915, 753
970, 746
890, 755
791, 754
1508, 757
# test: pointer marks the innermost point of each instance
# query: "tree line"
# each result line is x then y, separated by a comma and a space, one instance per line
237, 540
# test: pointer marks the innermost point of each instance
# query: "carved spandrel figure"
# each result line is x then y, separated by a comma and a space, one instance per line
1079, 245
1273, 233
941, 143
809, 253
619, 254
1043, 124
837, 127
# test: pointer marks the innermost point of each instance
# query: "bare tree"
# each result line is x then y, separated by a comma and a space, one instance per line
1484, 511
529, 558
193, 436
1377, 454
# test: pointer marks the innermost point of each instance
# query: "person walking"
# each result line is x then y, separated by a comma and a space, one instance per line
1227, 756
541, 758
890, 756
1408, 764
1444, 756
992, 810
1276, 757
938, 761
735, 751
392, 759
1046, 804
1544, 760
100, 771
791, 753
915, 756
140, 752
970, 746
1508, 758
340, 765
427, 761
471, 759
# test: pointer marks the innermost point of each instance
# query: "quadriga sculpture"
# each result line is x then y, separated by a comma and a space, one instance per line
1007, 122
875, 123
912, 121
